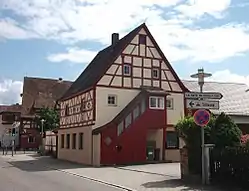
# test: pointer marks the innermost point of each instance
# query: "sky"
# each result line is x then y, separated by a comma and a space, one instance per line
58, 38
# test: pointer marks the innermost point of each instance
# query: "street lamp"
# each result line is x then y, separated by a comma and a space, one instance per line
201, 75
42, 124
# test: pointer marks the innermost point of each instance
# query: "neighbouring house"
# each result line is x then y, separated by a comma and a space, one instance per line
9, 117
123, 107
37, 93
235, 101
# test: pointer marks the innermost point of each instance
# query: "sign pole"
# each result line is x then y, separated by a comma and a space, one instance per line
201, 75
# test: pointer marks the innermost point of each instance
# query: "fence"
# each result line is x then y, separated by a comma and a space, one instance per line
230, 165
50, 143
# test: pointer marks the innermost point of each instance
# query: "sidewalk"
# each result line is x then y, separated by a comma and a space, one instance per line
128, 179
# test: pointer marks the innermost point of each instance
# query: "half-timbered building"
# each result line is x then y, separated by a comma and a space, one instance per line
38, 93
123, 107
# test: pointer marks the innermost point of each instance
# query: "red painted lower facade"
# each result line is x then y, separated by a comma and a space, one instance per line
131, 145
24, 139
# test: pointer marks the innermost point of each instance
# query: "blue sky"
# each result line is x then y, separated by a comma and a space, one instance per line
51, 38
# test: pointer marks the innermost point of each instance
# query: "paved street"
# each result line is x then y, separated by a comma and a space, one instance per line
154, 177
26, 177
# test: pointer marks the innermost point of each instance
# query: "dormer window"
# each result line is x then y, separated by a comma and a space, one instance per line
155, 73
127, 69
142, 39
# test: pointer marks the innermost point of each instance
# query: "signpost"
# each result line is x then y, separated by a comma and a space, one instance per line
198, 104
200, 100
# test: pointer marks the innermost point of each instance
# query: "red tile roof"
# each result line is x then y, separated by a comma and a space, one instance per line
41, 92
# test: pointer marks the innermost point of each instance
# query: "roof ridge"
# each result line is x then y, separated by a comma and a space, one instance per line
217, 82
43, 78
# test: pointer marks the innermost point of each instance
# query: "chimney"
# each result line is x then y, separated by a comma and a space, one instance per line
60, 80
115, 38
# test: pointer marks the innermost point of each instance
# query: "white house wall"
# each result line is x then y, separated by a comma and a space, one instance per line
104, 112
177, 111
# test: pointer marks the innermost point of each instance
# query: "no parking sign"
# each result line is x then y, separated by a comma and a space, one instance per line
201, 117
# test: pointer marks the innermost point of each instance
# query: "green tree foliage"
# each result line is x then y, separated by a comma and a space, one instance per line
221, 130
51, 118
225, 132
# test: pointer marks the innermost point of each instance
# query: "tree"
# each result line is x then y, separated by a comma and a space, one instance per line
51, 119
225, 132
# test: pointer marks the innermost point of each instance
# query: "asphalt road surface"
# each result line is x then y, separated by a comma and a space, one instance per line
29, 177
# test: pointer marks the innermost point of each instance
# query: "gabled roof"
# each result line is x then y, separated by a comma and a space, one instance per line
235, 99
41, 92
103, 60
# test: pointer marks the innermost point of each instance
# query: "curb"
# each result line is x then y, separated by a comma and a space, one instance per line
89, 178
154, 173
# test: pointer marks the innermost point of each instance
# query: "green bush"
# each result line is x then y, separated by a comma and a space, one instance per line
221, 131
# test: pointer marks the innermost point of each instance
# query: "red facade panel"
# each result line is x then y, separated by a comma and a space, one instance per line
132, 141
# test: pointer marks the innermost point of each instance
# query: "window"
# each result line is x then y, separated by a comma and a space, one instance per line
135, 112
155, 73
81, 140
156, 102
112, 100
67, 110
120, 127
128, 120
127, 70
8, 117
68, 141
169, 103
142, 39
31, 139
62, 141
74, 141
172, 140
83, 105
143, 106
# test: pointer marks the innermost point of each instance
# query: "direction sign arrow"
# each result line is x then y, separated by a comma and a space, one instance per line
197, 104
205, 95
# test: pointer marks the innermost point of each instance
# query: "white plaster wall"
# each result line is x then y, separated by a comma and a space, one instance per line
104, 112
83, 156
175, 114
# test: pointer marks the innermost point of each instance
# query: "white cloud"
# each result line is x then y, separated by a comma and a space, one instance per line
228, 76
73, 55
10, 91
79, 20
10, 29
197, 8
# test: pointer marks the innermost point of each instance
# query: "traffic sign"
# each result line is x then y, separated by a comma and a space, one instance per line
205, 95
201, 117
199, 104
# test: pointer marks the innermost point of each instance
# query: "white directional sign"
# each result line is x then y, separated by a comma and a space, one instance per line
204, 95
199, 104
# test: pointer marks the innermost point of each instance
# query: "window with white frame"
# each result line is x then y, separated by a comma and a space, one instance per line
128, 120
155, 73
156, 102
112, 100
170, 103
127, 69
120, 127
